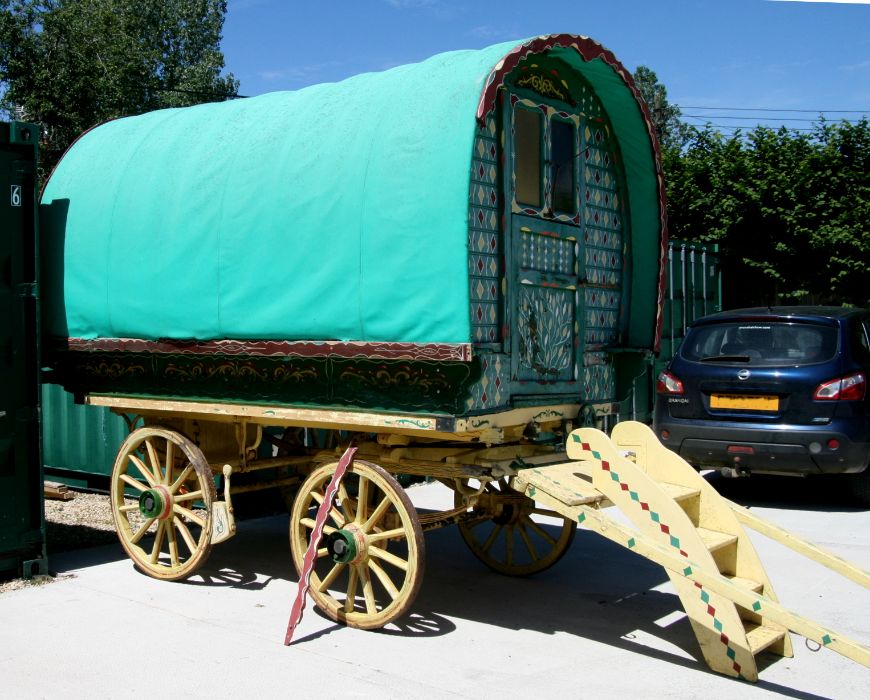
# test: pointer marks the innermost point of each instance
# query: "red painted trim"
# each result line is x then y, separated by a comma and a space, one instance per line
589, 50
445, 352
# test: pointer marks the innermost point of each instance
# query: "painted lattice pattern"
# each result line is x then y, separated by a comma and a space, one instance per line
491, 391
598, 379
602, 207
484, 241
600, 316
549, 253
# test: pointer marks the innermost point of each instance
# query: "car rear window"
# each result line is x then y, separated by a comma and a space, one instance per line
761, 343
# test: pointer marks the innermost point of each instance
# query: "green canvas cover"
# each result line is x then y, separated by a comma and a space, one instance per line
338, 211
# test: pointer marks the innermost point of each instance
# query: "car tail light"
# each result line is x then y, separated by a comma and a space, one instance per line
669, 384
852, 387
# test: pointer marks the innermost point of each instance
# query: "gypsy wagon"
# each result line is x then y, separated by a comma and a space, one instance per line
445, 264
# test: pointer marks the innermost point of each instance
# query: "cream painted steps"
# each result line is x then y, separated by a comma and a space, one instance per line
674, 513
713, 517
682, 524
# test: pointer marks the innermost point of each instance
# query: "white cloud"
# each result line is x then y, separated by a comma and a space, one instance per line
491, 32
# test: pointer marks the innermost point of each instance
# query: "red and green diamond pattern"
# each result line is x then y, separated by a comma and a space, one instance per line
674, 542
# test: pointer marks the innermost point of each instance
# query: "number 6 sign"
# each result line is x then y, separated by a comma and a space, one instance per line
16, 196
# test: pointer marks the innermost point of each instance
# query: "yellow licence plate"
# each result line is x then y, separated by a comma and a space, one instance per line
745, 402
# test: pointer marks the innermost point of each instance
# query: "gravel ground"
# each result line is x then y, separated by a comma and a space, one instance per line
84, 521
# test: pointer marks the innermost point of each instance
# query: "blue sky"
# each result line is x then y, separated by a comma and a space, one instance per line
750, 54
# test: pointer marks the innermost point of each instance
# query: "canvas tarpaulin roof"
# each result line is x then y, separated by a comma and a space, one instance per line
338, 211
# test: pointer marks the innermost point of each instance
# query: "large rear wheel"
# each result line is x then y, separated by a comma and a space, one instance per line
370, 560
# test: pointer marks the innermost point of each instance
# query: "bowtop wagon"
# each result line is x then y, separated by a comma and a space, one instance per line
450, 265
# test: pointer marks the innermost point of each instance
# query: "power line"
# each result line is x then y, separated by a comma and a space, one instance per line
784, 109
769, 119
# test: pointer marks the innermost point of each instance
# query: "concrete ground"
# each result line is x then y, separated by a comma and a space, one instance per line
601, 623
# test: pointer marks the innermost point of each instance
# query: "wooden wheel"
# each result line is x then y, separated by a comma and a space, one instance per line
167, 530
370, 561
510, 541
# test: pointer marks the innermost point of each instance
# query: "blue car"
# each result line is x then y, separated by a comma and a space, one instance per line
777, 390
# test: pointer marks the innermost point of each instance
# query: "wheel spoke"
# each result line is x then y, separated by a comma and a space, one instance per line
527, 540
541, 532
142, 530
389, 557
336, 516
158, 542
491, 539
386, 535
143, 470
189, 514
384, 578
190, 496
368, 592
352, 581
129, 508
310, 523
153, 459
346, 503
181, 479
331, 576
185, 534
362, 500
130, 481
170, 462
173, 546
378, 513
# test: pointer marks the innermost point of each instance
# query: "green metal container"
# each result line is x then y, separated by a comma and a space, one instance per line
22, 525
79, 443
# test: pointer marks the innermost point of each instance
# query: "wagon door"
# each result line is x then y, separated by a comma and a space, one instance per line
543, 260
564, 263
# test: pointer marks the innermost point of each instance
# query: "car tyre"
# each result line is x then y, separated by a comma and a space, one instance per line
860, 487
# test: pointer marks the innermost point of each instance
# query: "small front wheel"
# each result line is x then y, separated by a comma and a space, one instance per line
166, 530
512, 536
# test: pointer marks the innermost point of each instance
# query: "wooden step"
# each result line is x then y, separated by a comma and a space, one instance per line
713, 539
567, 482
746, 583
760, 637
678, 492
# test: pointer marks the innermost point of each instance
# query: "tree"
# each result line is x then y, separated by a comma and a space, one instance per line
789, 211
671, 132
71, 64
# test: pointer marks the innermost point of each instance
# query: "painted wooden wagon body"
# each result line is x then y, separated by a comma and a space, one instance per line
447, 266
438, 263
471, 234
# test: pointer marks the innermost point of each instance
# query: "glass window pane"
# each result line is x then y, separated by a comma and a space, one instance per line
527, 157
562, 157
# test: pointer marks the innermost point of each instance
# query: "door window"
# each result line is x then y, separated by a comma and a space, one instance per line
545, 148
527, 157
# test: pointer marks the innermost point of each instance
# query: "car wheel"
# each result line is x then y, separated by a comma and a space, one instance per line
860, 486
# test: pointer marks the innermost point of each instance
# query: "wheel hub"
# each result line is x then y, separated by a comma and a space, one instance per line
156, 503
346, 546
